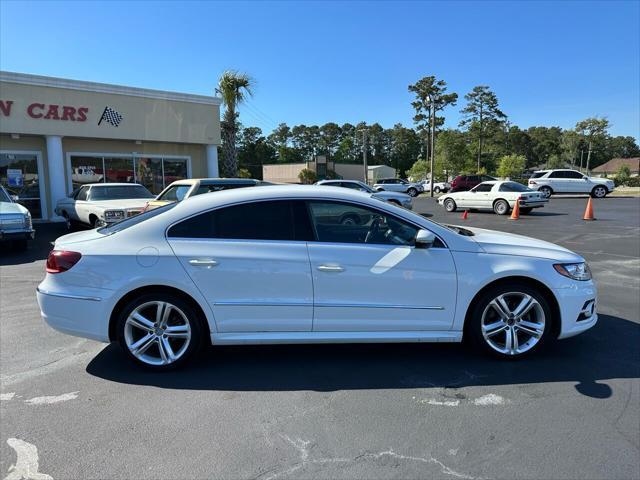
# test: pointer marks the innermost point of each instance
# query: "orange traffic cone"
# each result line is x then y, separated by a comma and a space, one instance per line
588, 212
515, 213
465, 215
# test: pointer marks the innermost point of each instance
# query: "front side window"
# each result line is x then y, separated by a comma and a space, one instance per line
338, 222
175, 193
270, 220
574, 175
119, 192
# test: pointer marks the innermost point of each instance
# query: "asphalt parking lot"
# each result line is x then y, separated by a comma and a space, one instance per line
74, 408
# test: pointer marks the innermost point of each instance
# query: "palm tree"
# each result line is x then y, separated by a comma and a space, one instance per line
233, 88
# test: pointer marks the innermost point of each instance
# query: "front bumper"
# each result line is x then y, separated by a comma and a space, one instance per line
6, 236
578, 304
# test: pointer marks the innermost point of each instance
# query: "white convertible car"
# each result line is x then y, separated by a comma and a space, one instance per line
276, 265
99, 204
494, 195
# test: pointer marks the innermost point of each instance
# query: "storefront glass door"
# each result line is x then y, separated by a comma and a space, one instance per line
20, 176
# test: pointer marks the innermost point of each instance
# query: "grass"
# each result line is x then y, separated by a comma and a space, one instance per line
626, 192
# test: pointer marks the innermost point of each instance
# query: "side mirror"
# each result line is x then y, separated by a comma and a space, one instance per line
425, 239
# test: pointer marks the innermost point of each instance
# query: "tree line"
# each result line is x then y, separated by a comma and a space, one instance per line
483, 139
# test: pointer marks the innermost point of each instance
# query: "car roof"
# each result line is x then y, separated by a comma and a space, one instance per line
215, 181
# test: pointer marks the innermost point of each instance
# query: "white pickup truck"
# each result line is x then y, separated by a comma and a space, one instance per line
99, 204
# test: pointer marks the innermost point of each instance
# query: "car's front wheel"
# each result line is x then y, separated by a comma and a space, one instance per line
510, 321
450, 205
160, 331
599, 192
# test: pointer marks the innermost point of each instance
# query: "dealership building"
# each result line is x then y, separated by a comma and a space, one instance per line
58, 134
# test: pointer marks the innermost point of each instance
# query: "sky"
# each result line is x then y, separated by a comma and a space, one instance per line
550, 63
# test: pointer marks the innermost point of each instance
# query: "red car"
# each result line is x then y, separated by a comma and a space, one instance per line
463, 183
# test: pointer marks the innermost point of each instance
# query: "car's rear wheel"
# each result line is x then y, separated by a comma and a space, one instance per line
510, 321
546, 191
160, 331
412, 192
501, 207
20, 245
599, 192
436, 190
450, 205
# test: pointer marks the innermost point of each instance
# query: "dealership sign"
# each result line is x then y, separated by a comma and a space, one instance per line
48, 111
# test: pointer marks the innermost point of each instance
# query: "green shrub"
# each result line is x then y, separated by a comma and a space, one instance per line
633, 182
307, 176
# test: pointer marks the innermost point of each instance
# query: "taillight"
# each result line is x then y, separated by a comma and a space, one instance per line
531, 182
60, 261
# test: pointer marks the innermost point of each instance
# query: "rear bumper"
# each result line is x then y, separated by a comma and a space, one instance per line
533, 204
84, 315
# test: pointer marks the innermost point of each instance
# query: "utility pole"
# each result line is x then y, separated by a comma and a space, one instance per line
433, 141
588, 157
581, 155
364, 156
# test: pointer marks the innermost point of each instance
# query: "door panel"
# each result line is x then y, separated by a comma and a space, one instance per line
361, 287
254, 286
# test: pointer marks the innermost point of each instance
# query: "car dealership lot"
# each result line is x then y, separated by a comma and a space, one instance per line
347, 411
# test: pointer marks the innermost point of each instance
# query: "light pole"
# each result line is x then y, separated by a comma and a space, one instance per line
431, 99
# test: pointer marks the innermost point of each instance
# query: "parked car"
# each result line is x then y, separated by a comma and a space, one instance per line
98, 204
466, 182
183, 189
398, 185
438, 187
551, 182
15, 222
273, 265
494, 195
400, 199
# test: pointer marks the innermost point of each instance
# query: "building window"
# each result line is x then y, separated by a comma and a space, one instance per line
155, 173
19, 175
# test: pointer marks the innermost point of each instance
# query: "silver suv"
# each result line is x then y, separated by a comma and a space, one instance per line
550, 182
400, 199
399, 185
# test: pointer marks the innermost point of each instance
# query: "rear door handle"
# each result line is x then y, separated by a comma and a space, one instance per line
203, 262
331, 268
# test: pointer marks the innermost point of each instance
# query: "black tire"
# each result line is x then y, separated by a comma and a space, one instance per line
526, 210
599, 191
546, 191
436, 190
193, 316
93, 221
473, 331
450, 205
412, 192
501, 207
72, 226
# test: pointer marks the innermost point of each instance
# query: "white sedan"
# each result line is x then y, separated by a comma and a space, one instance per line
494, 195
276, 265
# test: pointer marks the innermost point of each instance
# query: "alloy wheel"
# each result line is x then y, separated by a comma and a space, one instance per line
513, 323
157, 333
599, 192
546, 192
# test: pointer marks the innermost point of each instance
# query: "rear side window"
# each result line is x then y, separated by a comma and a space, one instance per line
273, 220
513, 187
175, 193
557, 175
473, 178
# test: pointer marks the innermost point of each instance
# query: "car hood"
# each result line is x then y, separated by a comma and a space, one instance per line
602, 181
502, 243
126, 203
13, 208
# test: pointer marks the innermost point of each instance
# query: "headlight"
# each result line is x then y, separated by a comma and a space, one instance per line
114, 215
575, 271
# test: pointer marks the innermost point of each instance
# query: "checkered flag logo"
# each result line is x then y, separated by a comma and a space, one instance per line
110, 116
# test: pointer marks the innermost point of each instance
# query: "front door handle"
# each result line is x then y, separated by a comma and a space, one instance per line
203, 262
331, 268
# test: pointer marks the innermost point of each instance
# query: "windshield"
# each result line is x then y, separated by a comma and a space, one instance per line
4, 196
130, 222
119, 192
